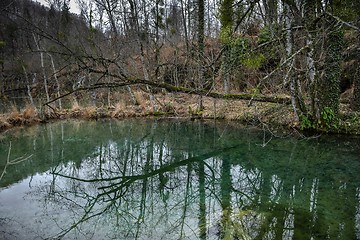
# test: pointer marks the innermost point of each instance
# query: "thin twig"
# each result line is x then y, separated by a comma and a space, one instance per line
12, 162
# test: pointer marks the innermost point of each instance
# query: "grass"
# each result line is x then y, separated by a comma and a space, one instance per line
171, 104
4, 123
27, 116
122, 110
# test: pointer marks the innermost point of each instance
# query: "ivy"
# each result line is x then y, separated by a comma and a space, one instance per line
238, 48
264, 35
253, 60
225, 35
330, 81
328, 121
306, 123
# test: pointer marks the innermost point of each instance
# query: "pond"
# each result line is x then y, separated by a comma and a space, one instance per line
173, 179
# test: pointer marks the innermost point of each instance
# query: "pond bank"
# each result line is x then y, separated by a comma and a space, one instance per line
271, 115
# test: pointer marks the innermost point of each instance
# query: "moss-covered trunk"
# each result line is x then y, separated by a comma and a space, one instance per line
328, 90
226, 21
356, 97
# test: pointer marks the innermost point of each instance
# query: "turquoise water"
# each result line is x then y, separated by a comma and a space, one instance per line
171, 179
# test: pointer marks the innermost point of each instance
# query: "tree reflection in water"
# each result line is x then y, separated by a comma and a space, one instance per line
177, 180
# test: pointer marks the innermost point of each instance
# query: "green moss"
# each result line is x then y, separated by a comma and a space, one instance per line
157, 113
195, 113
355, 105
238, 96
330, 83
225, 35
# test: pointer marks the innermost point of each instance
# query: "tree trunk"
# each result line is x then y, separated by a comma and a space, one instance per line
56, 80
201, 27
28, 87
356, 98
225, 200
200, 40
289, 50
271, 13
226, 21
172, 88
310, 10
329, 84
183, 15
42, 67
202, 201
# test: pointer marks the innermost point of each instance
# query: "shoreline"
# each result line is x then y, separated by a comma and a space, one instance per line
271, 115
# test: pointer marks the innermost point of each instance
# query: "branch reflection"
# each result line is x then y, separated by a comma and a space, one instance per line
171, 180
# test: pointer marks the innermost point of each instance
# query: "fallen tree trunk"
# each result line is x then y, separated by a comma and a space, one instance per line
172, 88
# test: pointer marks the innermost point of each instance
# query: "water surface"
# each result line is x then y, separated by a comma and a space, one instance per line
171, 179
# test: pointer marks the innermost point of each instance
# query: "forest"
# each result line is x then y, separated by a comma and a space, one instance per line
284, 62
180, 119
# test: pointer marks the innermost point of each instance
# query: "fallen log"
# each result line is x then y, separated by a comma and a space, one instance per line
172, 88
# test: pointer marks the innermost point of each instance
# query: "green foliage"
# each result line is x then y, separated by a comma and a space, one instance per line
225, 35
347, 10
355, 119
239, 52
158, 113
168, 108
239, 46
306, 122
255, 91
253, 60
328, 121
173, 31
270, 48
2, 45
264, 35
269, 32
226, 13
336, 43
235, 50
329, 82
226, 20
355, 105
195, 113
61, 35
